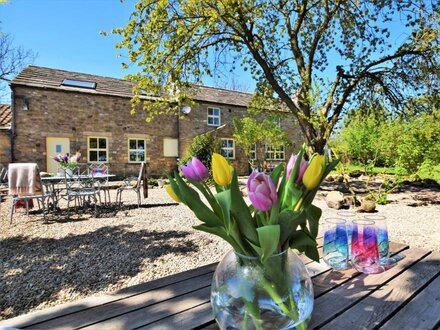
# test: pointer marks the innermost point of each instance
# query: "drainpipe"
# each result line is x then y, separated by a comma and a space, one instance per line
13, 131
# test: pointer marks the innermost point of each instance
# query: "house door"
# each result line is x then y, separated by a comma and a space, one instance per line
55, 146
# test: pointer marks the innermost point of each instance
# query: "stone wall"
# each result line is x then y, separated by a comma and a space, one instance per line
78, 116
195, 123
5, 147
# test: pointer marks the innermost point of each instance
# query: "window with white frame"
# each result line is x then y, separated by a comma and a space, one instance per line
275, 153
253, 152
97, 149
228, 148
136, 150
214, 117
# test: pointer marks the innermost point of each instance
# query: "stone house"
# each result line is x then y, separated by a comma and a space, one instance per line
56, 111
5, 134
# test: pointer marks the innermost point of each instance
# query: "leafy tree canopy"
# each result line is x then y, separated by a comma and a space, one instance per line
287, 45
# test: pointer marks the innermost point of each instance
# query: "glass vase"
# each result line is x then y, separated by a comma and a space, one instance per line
249, 294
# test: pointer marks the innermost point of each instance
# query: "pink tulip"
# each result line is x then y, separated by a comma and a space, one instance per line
261, 190
302, 168
195, 170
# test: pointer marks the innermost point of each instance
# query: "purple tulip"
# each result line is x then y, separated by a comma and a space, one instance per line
56, 158
302, 168
64, 158
195, 170
261, 190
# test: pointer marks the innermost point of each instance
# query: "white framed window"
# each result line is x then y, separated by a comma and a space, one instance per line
228, 148
275, 153
253, 152
136, 150
97, 149
214, 115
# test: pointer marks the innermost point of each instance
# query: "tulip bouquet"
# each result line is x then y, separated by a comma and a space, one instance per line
67, 162
281, 214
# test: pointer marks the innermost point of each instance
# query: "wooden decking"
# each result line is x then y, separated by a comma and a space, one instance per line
406, 296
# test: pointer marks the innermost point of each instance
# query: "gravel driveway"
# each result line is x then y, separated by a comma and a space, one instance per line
67, 259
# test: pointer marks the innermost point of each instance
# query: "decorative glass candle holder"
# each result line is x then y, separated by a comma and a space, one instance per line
364, 247
382, 237
335, 249
348, 216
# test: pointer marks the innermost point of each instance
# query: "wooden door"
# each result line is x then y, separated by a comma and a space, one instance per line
55, 146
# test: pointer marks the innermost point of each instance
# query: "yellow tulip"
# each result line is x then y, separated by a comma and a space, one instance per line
313, 174
172, 194
221, 170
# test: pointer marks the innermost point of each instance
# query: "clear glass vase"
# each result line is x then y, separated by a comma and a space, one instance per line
249, 294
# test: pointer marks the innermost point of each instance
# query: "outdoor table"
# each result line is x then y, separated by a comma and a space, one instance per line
406, 296
54, 180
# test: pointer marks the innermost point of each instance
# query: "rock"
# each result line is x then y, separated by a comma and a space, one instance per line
352, 200
355, 174
330, 178
335, 200
368, 205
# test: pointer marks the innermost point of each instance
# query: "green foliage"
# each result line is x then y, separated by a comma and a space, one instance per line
202, 147
410, 144
248, 131
285, 45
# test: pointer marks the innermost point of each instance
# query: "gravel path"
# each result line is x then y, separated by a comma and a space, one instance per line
47, 264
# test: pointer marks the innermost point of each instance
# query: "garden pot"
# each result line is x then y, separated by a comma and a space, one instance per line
247, 293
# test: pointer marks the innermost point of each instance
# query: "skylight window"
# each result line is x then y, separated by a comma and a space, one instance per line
79, 83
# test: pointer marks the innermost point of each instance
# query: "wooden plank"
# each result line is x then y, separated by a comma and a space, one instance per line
335, 301
37, 317
189, 319
328, 280
374, 309
422, 312
145, 316
114, 309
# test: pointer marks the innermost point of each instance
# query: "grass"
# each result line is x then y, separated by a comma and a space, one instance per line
433, 174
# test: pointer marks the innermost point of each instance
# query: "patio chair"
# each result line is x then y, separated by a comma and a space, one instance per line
25, 186
81, 188
131, 183
97, 170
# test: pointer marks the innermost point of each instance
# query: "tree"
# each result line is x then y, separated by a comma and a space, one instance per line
286, 45
12, 59
248, 131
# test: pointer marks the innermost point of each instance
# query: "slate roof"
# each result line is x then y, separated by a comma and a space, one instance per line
5, 116
42, 77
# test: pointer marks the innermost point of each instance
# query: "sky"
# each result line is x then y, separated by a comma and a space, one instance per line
64, 34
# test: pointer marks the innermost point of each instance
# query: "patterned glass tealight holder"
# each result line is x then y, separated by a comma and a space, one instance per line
382, 237
364, 247
348, 216
335, 249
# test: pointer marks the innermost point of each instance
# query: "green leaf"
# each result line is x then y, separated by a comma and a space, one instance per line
220, 231
240, 211
274, 213
313, 214
276, 173
289, 221
300, 240
312, 253
211, 200
224, 200
191, 198
269, 237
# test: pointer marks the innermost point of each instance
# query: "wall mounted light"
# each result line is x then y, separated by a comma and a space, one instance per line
25, 105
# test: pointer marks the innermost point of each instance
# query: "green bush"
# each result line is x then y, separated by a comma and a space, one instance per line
411, 145
202, 148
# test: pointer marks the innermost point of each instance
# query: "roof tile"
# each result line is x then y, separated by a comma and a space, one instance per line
42, 77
